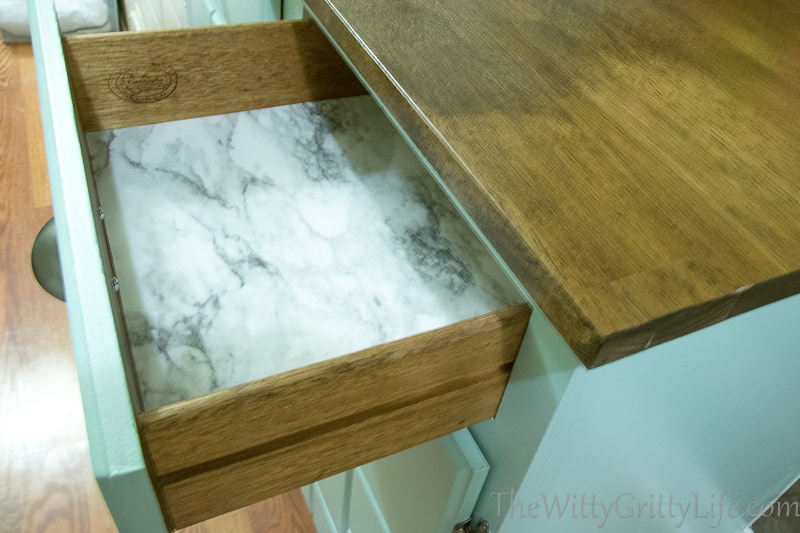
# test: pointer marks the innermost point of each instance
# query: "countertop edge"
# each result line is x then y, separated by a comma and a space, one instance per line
594, 348
684, 321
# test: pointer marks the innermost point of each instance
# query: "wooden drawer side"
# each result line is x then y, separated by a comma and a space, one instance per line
134, 78
286, 431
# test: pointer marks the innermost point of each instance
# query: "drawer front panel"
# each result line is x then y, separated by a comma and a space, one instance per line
274, 467
92, 306
333, 394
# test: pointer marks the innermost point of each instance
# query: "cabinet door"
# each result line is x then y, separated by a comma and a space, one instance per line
335, 492
426, 488
365, 513
323, 519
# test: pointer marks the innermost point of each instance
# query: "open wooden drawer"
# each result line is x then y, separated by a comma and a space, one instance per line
202, 456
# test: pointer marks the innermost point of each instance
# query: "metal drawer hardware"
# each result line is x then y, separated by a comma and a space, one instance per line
101, 213
45, 262
115, 284
481, 526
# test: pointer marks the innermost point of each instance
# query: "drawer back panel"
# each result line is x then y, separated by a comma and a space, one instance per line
130, 79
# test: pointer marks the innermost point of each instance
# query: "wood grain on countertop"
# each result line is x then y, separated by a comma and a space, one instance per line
636, 164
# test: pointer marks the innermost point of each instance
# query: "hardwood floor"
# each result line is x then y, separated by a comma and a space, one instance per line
46, 481
784, 517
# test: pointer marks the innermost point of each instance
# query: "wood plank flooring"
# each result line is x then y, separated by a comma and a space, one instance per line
46, 481
784, 516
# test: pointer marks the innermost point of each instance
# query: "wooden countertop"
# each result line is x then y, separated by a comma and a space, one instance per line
636, 164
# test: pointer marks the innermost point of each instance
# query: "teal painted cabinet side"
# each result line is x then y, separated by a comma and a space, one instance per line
541, 375
696, 434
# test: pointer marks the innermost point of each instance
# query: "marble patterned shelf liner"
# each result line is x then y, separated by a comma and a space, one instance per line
254, 243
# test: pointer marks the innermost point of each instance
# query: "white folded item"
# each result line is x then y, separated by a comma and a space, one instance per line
73, 15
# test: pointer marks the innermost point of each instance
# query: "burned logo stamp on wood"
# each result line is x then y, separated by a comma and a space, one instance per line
144, 85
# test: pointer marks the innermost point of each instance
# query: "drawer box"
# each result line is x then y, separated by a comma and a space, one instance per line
219, 451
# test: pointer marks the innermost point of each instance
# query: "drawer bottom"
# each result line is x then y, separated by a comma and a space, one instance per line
253, 250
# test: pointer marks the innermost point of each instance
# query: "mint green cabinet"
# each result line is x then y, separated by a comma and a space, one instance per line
335, 493
705, 421
430, 487
366, 514
318, 505
214, 12
116, 457
293, 9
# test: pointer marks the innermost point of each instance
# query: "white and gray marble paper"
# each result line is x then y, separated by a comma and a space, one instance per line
254, 243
